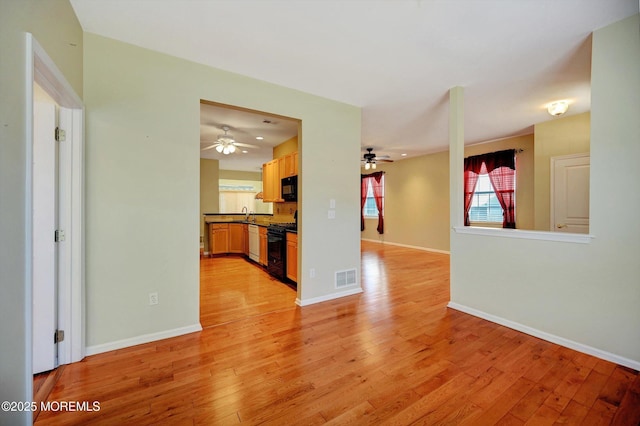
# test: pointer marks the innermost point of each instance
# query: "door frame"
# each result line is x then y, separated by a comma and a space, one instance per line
552, 177
41, 69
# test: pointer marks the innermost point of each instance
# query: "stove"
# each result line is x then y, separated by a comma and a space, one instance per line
277, 249
283, 227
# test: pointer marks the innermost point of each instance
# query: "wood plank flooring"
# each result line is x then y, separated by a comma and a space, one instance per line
232, 288
391, 355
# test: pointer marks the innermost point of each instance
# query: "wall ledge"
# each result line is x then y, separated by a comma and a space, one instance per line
589, 350
525, 234
139, 340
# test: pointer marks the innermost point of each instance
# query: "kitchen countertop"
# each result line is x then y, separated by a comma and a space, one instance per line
248, 222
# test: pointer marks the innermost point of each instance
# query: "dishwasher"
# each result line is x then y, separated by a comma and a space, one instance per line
254, 243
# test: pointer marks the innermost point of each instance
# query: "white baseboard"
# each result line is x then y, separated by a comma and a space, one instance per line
407, 246
589, 350
328, 297
138, 340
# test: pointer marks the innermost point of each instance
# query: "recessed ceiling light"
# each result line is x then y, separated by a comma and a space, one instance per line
244, 151
403, 155
259, 138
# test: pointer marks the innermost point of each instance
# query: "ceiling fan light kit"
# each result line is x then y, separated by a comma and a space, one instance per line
558, 108
370, 159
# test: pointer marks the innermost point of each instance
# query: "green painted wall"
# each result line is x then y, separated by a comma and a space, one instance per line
54, 25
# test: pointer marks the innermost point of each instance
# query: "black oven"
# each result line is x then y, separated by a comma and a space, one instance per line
290, 188
277, 249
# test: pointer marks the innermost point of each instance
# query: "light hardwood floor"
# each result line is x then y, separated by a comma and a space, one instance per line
391, 355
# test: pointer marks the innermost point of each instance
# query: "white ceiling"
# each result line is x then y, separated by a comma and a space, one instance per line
396, 59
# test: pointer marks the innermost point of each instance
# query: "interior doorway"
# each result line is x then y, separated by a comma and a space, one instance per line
570, 193
233, 287
66, 191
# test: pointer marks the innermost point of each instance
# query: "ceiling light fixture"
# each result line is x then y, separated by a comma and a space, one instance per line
259, 138
226, 142
558, 108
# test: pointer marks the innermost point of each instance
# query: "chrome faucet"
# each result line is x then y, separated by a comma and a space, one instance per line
245, 210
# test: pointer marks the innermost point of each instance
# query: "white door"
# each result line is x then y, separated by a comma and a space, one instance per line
570, 194
44, 246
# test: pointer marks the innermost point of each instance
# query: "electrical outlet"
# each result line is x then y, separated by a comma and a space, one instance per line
153, 299
312, 273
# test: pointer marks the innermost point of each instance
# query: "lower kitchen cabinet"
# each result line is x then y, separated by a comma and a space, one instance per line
262, 232
236, 238
218, 238
292, 256
245, 239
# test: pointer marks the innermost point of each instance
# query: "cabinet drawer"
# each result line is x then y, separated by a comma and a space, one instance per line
219, 225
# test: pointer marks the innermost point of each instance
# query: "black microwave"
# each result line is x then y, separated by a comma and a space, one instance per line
290, 188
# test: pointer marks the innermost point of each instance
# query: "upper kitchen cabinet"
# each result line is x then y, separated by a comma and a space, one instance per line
271, 182
274, 171
291, 164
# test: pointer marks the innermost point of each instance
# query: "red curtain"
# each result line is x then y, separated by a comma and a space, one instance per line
364, 186
377, 184
503, 181
501, 167
378, 190
470, 180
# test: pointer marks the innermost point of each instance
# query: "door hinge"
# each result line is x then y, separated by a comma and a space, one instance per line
61, 135
58, 336
58, 235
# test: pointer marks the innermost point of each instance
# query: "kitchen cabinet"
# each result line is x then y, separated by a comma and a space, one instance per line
236, 239
245, 239
271, 182
262, 232
272, 174
291, 164
292, 256
218, 238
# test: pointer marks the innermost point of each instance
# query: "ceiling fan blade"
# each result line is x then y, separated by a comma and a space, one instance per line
209, 146
381, 157
246, 145
382, 160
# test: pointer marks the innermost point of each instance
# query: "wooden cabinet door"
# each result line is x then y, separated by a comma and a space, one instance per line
245, 239
271, 181
276, 181
219, 239
262, 232
266, 183
291, 164
236, 240
292, 256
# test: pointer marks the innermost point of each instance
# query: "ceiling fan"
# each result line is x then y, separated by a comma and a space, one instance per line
370, 159
226, 144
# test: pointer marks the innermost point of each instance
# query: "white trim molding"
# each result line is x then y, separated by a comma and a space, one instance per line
589, 350
526, 235
139, 340
41, 69
328, 297
432, 250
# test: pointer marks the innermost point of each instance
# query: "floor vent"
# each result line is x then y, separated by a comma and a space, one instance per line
345, 278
